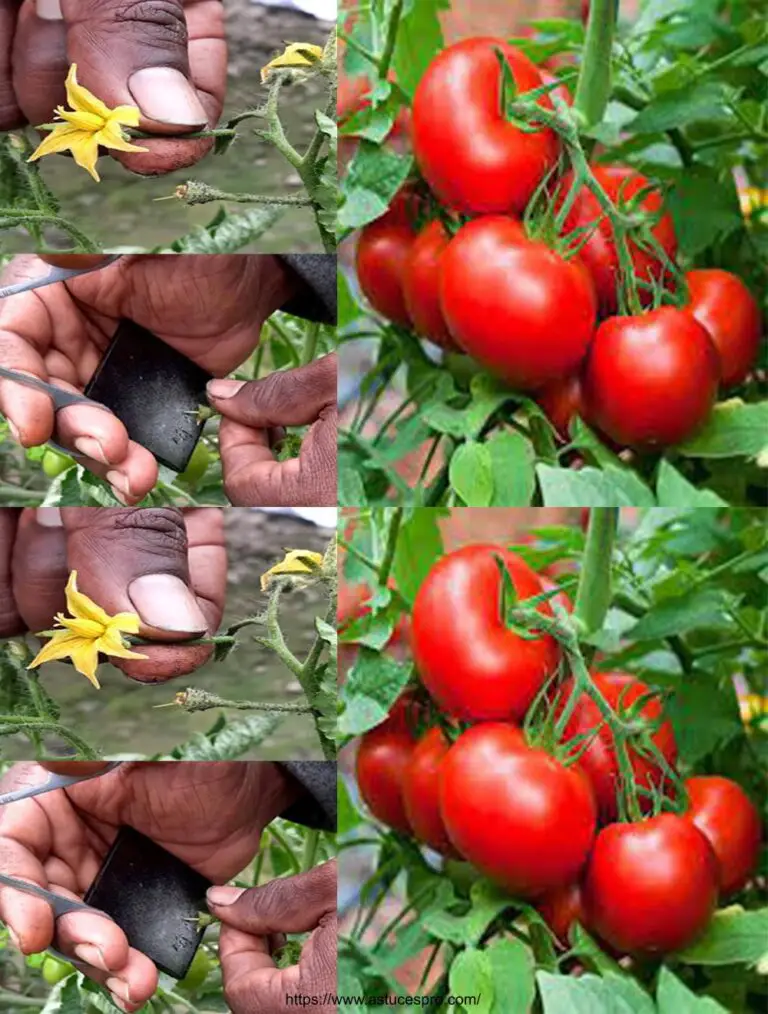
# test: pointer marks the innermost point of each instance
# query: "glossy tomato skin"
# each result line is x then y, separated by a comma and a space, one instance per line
382, 759
651, 380
562, 401
729, 820
420, 792
516, 306
599, 252
382, 254
650, 887
473, 158
561, 908
421, 285
598, 760
515, 812
724, 305
474, 667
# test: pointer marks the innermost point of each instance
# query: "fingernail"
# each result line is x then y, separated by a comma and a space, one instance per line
164, 601
120, 989
92, 955
49, 517
91, 448
121, 486
164, 94
14, 431
224, 388
49, 10
224, 895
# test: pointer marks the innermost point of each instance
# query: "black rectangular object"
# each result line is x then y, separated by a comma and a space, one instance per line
154, 391
154, 898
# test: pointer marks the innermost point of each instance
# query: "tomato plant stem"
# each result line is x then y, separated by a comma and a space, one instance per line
594, 591
594, 85
391, 546
391, 39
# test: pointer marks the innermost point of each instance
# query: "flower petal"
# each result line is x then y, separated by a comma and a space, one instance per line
85, 658
297, 561
113, 645
89, 629
297, 54
61, 645
85, 151
59, 139
80, 99
128, 623
111, 136
81, 607
82, 120
129, 116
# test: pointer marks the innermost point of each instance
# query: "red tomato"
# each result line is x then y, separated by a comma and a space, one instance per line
650, 887
421, 285
473, 665
599, 252
420, 791
515, 305
382, 253
729, 820
562, 401
561, 90
561, 598
598, 761
651, 380
561, 908
382, 759
516, 813
728, 310
473, 158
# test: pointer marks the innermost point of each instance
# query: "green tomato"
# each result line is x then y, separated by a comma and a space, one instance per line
198, 971
198, 465
54, 970
54, 463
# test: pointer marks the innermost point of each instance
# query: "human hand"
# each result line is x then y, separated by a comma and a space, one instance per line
168, 57
168, 566
252, 412
209, 308
251, 919
210, 815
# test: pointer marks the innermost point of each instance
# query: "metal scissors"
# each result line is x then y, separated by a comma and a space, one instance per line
61, 398
60, 905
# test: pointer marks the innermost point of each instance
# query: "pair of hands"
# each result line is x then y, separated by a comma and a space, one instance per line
212, 310
218, 812
168, 566
167, 57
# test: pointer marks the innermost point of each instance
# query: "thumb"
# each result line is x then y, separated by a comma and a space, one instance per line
286, 905
288, 398
135, 52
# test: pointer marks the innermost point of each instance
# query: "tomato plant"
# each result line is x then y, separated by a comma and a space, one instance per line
630, 152
606, 842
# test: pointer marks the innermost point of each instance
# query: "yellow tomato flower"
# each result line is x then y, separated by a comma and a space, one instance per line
88, 631
297, 54
297, 562
88, 125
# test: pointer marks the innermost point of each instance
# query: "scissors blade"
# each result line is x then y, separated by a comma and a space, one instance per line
60, 905
51, 783
60, 397
55, 275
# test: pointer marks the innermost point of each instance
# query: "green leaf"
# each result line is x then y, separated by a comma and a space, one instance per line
674, 997
700, 100
351, 489
471, 474
703, 188
590, 994
590, 487
419, 545
734, 429
374, 177
471, 975
512, 971
705, 717
674, 490
488, 901
226, 233
348, 818
512, 465
419, 40
734, 936
371, 688
702, 607
227, 740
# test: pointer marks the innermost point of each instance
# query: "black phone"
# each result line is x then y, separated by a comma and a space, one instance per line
154, 391
154, 898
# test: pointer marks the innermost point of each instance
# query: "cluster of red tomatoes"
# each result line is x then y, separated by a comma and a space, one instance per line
540, 310
543, 822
